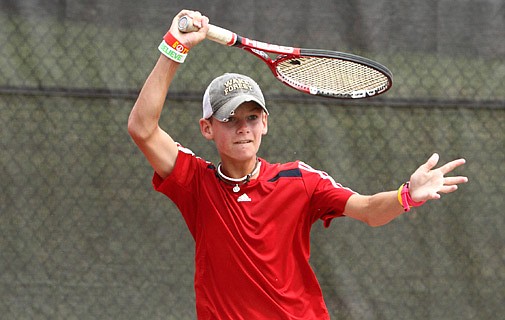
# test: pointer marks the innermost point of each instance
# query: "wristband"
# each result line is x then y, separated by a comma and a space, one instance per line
404, 198
173, 48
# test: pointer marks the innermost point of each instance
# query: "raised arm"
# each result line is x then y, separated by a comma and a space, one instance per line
426, 183
143, 124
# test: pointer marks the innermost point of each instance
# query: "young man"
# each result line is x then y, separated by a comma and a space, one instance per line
250, 219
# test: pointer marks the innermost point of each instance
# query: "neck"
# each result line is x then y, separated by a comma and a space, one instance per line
242, 177
235, 169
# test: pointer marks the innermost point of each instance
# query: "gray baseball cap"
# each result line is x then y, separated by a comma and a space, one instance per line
225, 93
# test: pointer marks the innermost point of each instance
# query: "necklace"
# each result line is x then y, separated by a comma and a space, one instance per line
233, 181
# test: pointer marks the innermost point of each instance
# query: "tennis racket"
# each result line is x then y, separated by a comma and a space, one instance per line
318, 72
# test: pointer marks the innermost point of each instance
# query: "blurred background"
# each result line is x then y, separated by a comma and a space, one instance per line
84, 236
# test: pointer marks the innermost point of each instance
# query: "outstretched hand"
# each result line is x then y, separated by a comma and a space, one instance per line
426, 183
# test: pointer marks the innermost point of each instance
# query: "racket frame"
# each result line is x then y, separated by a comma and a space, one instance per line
284, 53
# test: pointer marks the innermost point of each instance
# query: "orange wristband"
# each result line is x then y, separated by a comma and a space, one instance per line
174, 43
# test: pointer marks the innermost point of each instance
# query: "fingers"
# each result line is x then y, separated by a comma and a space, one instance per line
200, 24
190, 13
450, 184
455, 180
198, 20
432, 162
448, 167
434, 196
448, 189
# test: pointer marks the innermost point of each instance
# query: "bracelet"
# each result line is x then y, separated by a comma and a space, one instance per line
404, 198
173, 48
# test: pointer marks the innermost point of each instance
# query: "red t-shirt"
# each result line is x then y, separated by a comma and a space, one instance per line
253, 246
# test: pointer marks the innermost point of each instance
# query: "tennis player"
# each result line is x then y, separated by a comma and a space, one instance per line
251, 219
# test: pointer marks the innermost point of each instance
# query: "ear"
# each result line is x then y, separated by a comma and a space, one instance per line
265, 123
206, 129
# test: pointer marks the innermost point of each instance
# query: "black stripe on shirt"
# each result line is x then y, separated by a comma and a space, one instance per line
287, 174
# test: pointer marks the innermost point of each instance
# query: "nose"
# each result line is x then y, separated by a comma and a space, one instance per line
242, 126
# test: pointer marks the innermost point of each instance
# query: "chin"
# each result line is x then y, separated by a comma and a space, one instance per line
244, 153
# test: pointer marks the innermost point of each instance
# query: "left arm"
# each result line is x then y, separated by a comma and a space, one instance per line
426, 183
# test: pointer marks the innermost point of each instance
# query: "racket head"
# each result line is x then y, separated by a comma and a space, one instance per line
332, 74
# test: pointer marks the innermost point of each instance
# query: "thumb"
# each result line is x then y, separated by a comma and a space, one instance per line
432, 162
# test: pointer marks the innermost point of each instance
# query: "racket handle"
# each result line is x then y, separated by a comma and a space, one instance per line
215, 33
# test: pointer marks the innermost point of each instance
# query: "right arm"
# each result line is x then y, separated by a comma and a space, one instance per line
143, 124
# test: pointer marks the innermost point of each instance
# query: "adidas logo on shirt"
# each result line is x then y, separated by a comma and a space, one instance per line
244, 198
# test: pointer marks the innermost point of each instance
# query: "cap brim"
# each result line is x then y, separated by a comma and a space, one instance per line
229, 107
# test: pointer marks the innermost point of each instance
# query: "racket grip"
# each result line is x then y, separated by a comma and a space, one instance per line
215, 33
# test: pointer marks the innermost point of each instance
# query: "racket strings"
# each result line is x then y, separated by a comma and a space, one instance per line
331, 76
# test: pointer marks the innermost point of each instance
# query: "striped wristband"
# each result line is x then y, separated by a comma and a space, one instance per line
173, 48
404, 198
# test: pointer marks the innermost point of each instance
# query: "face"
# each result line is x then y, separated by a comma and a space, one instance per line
239, 138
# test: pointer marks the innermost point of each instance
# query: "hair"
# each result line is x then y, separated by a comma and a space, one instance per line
257, 107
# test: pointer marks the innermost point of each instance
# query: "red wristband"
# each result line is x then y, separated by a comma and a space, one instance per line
174, 43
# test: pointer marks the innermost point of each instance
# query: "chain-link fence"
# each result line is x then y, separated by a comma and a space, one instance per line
84, 236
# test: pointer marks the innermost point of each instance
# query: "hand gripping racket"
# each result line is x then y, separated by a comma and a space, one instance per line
318, 72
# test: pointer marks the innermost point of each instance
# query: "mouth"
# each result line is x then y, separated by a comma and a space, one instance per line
243, 142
